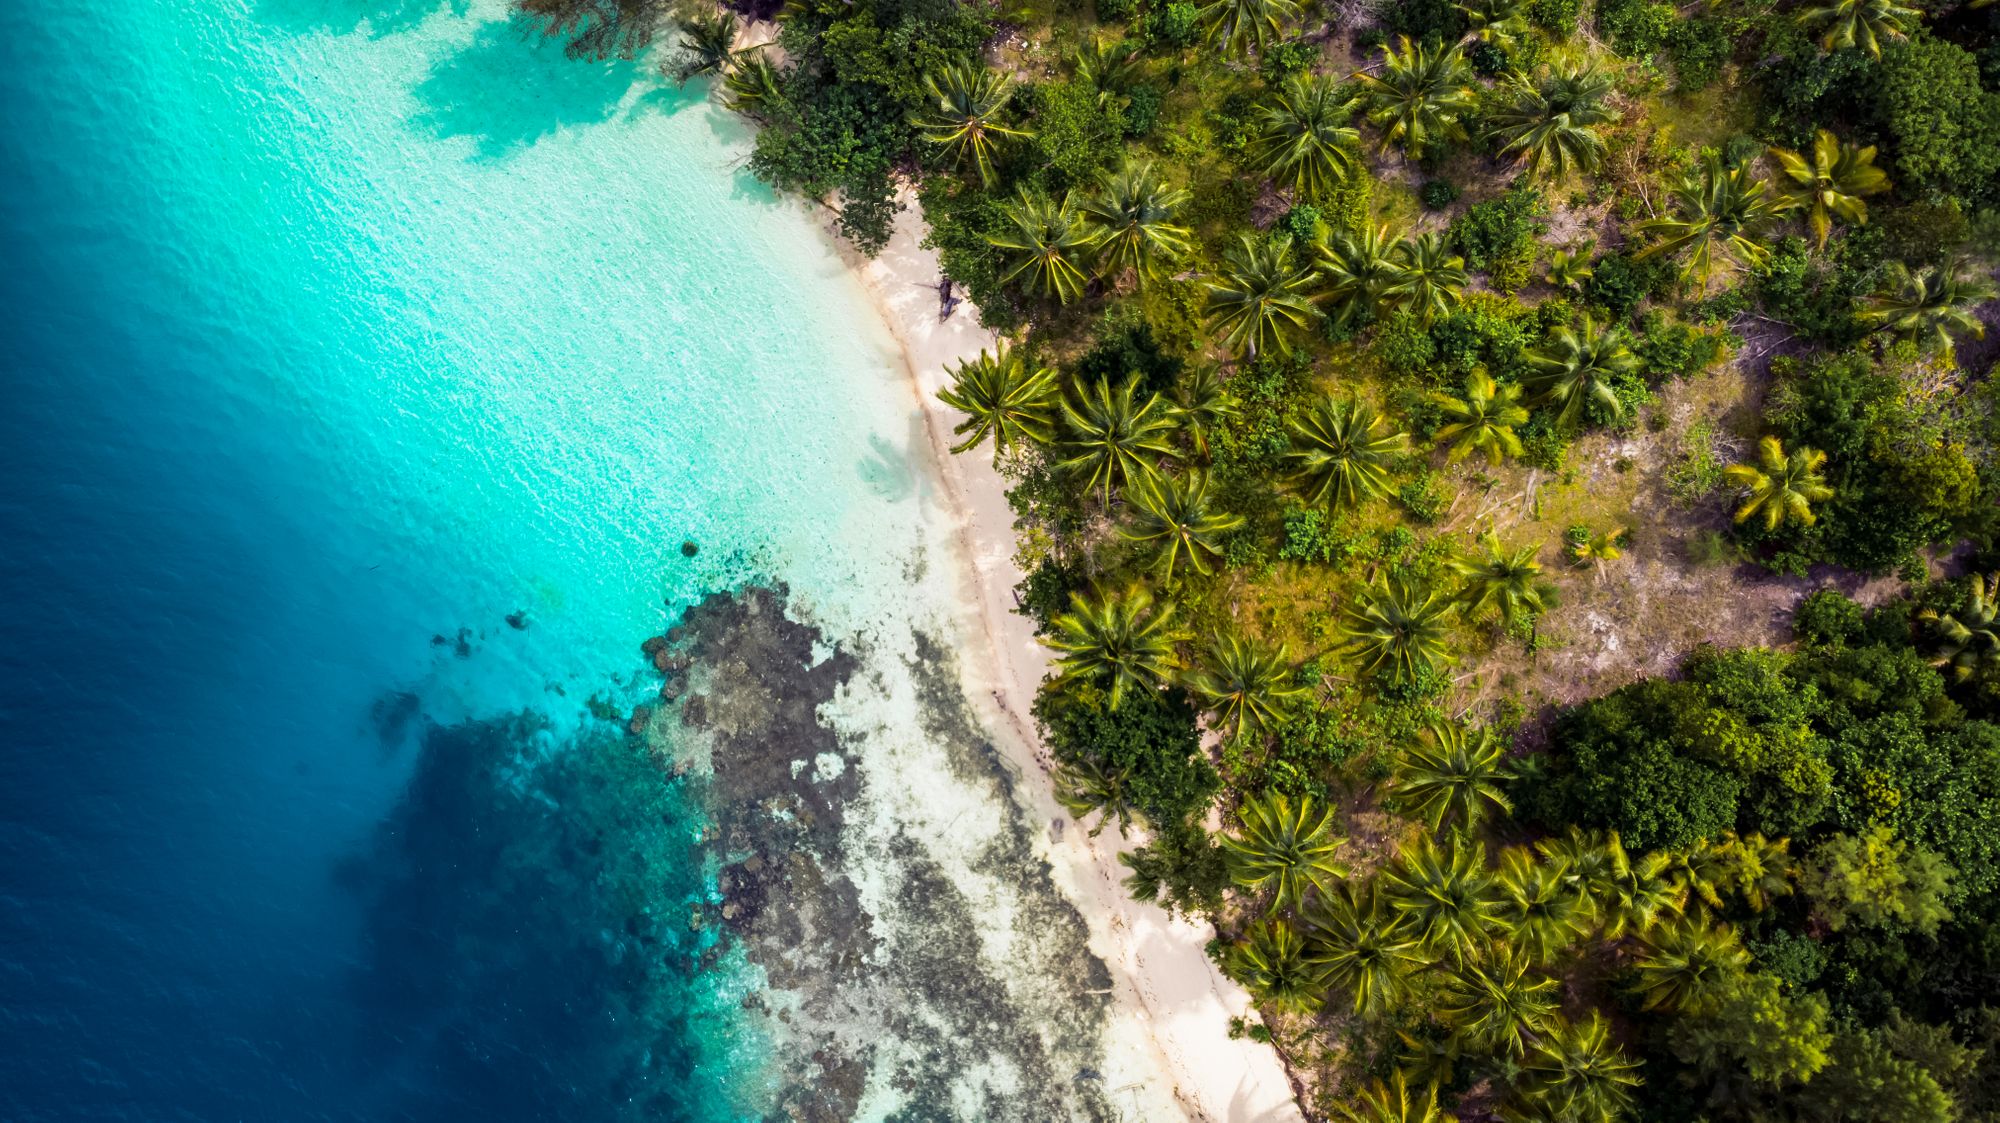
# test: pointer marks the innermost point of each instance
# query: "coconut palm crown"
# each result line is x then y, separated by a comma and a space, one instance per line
1549, 124
1002, 398
1135, 214
1117, 641
1303, 139
1420, 98
1262, 298
1719, 213
1830, 181
963, 115
1286, 846
1342, 451
1111, 439
1782, 486
1482, 420
1049, 241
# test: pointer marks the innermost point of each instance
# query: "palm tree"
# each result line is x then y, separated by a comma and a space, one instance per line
1087, 785
1500, 1005
1420, 97
1589, 863
754, 83
1783, 486
1357, 268
1718, 210
1549, 124
1047, 241
1425, 276
1575, 369
1831, 182
1201, 406
1970, 637
1452, 776
1116, 640
1234, 25
1582, 547
1135, 212
1262, 298
1570, 268
1303, 139
1687, 966
1108, 435
1641, 894
707, 45
1285, 847
1341, 452
1930, 304
1365, 948
1507, 583
1002, 398
1174, 519
1446, 896
1576, 1074
1484, 419
963, 117
1860, 23
1758, 868
1271, 960
1393, 1103
1540, 910
1247, 687
1397, 630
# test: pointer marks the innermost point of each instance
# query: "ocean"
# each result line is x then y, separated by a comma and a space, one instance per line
377, 382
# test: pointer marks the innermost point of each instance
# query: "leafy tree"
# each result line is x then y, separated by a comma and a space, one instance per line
1182, 868
1773, 1038
1286, 847
1109, 435
1507, 583
963, 115
1047, 242
1868, 1078
1877, 880
1365, 947
1445, 895
1576, 369
1549, 124
1859, 23
1235, 25
1500, 1004
1341, 452
1202, 407
1718, 211
1271, 960
1831, 182
1483, 419
1424, 276
1575, 1073
1248, 688
1942, 123
1146, 753
1452, 775
1135, 213
1969, 638
1116, 640
1781, 486
1929, 305
1261, 299
1003, 399
1397, 630
1174, 519
1689, 966
1303, 137
1420, 98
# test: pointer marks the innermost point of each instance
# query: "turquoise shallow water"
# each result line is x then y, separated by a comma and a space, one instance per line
337, 333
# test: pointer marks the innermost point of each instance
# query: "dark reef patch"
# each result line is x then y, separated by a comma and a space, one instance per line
910, 992
527, 951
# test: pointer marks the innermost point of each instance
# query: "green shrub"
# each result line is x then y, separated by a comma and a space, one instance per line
1636, 28
1115, 11
1497, 236
1557, 17
1827, 618
1152, 738
1174, 25
1282, 60
1698, 48
1437, 194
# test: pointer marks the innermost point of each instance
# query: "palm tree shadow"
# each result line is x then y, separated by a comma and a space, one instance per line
344, 17
510, 87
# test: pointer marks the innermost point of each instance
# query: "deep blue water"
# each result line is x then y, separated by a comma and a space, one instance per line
333, 338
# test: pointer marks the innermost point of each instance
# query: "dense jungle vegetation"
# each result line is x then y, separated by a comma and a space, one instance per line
1339, 340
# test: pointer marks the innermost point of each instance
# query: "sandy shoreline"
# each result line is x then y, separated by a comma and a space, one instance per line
1168, 994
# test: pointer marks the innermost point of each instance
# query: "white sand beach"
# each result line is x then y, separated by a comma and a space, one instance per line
1171, 1000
